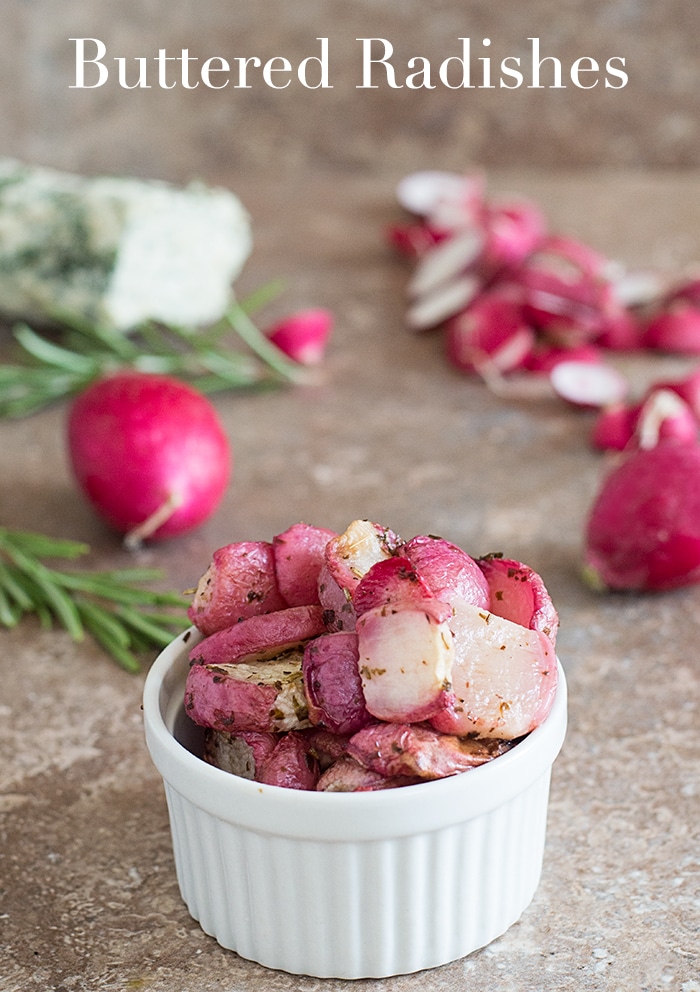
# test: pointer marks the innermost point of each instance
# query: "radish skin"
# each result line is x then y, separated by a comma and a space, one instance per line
332, 683
262, 636
299, 555
518, 593
149, 453
403, 749
291, 765
303, 336
240, 582
643, 529
448, 571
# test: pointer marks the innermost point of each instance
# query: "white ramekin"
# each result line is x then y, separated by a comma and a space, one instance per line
343, 885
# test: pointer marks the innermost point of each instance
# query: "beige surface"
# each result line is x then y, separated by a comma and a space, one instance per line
88, 898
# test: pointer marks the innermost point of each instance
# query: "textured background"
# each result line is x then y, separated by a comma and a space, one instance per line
652, 122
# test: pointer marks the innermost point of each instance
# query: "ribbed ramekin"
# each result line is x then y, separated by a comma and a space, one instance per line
350, 885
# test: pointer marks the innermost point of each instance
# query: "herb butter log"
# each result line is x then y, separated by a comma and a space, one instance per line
116, 251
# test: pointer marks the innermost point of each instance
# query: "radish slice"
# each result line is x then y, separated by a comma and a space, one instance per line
299, 556
332, 683
303, 336
620, 330
445, 301
448, 571
263, 636
515, 230
404, 749
348, 775
240, 582
266, 696
676, 330
292, 764
638, 288
588, 384
543, 358
446, 261
688, 388
405, 659
413, 240
239, 754
419, 192
504, 677
491, 332
396, 585
518, 593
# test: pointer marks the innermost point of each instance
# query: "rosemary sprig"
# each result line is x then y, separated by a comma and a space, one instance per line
125, 618
211, 359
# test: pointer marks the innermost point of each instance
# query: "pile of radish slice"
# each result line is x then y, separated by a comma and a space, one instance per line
510, 296
359, 661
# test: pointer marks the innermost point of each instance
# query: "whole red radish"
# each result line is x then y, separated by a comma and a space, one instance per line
150, 454
643, 530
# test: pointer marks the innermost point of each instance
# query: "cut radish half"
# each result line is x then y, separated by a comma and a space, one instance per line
588, 384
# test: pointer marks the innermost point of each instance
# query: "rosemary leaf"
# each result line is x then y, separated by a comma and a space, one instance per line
13, 588
42, 546
147, 624
211, 359
114, 606
99, 623
10, 612
52, 354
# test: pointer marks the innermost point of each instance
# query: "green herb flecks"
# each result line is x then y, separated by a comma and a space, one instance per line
115, 607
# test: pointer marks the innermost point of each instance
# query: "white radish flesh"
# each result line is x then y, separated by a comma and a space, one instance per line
239, 754
352, 553
447, 261
588, 384
445, 301
419, 192
405, 660
504, 677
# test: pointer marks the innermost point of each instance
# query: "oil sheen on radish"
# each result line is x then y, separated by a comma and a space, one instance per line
150, 454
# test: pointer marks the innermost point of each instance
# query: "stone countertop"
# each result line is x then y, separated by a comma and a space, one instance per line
88, 896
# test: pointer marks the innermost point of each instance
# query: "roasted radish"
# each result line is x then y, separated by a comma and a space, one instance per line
265, 696
240, 582
259, 637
